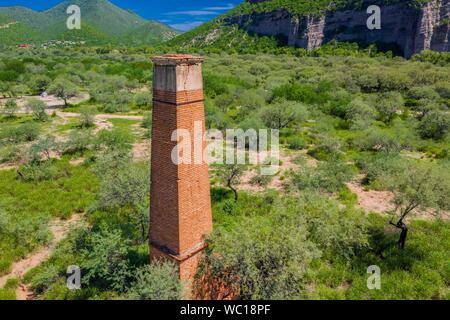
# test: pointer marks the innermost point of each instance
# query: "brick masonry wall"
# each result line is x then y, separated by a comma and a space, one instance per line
180, 216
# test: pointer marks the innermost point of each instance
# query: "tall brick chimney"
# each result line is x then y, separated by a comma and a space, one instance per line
180, 217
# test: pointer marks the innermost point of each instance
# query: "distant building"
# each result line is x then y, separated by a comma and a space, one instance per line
24, 45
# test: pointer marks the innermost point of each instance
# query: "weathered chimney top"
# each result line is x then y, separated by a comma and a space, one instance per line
177, 59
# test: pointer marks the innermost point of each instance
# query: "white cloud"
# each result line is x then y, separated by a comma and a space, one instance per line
192, 13
228, 6
186, 26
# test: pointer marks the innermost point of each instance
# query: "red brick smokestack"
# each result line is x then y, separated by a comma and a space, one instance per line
180, 216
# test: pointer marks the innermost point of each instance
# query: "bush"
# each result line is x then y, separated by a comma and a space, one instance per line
271, 256
37, 172
328, 148
26, 132
378, 140
115, 102
261, 180
41, 281
388, 104
434, 125
77, 141
297, 143
158, 281
9, 154
143, 100
37, 108
106, 260
124, 188
10, 108
329, 176
283, 114
147, 122
114, 140
419, 93
87, 117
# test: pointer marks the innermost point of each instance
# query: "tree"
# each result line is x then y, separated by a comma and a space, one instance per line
127, 190
157, 281
39, 83
420, 93
19, 90
418, 186
424, 107
63, 89
231, 174
43, 147
106, 260
388, 104
87, 117
10, 108
4, 89
143, 100
271, 253
282, 114
37, 108
359, 114
434, 125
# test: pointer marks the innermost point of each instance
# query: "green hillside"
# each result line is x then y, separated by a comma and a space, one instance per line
12, 31
220, 34
105, 22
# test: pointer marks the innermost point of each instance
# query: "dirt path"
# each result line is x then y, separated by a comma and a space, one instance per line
278, 182
51, 101
383, 202
59, 229
6, 26
372, 200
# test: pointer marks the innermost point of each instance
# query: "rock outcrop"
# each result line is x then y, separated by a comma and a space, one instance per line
404, 29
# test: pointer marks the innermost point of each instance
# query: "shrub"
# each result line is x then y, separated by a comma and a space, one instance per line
9, 154
157, 281
63, 89
77, 141
378, 140
283, 114
419, 93
114, 140
360, 114
379, 168
115, 102
10, 108
328, 148
297, 143
329, 176
143, 100
22, 133
269, 256
147, 122
124, 188
37, 108
41, 281
388, 104
434, 125
36, 172
87, 117
106, 260
261, 180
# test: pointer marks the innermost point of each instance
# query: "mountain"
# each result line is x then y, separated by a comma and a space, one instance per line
103, 22
14, 31
407, 26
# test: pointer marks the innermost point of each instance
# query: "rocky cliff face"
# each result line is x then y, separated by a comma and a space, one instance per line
404, 29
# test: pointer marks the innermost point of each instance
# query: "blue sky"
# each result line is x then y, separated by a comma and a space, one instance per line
180, 14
